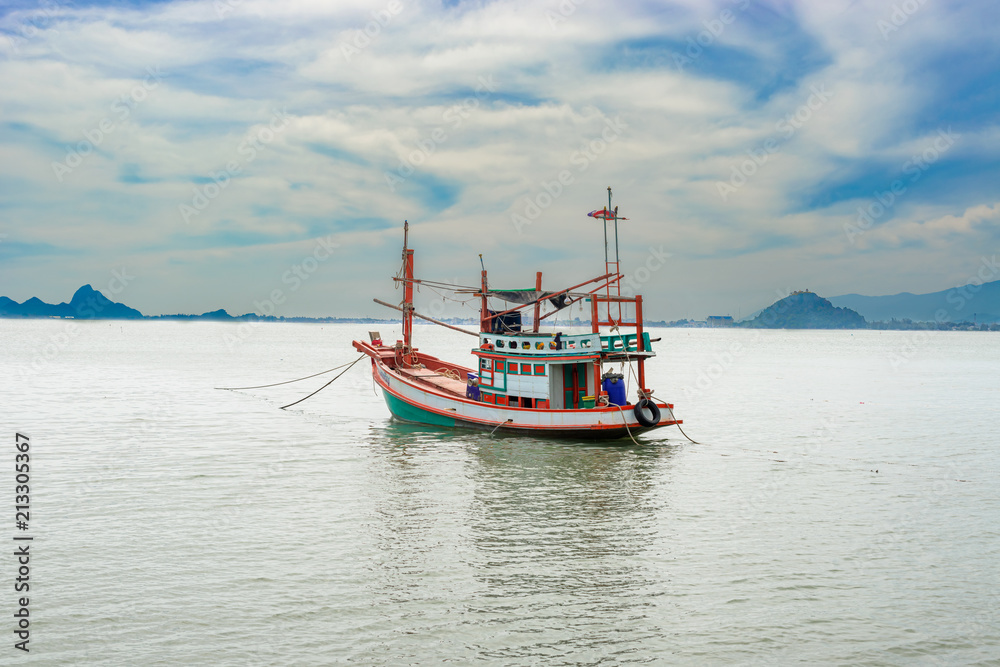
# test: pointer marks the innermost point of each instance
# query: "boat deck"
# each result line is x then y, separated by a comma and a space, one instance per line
437, 380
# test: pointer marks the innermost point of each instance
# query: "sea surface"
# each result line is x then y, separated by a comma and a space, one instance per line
841, 507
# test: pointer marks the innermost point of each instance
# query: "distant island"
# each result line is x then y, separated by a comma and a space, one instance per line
89, 304
799, 310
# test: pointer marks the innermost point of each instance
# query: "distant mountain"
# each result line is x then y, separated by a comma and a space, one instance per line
35, 307
958, 304
805, 310
87, 304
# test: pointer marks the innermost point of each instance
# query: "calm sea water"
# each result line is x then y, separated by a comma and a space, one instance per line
842, 507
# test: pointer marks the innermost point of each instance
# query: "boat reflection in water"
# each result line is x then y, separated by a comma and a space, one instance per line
514, 548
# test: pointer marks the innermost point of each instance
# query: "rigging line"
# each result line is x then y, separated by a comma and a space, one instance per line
670, 410
398, 278
436, 283
327, 384
448, 298
627, 358
448, 286
262, 386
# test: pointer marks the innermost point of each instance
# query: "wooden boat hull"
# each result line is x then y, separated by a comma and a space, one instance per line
413, 400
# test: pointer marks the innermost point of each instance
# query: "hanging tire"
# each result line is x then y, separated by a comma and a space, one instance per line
646, 412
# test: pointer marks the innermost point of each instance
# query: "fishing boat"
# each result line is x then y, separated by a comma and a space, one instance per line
523, 380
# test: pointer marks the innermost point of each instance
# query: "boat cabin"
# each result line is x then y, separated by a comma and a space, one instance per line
552, 371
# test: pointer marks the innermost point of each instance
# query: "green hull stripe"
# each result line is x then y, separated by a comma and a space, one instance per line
410, 413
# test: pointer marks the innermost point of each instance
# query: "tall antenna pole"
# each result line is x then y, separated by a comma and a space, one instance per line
407, 294
606, 241
618, 285
616, 223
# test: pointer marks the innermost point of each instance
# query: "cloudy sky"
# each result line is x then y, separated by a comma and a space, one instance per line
188, 156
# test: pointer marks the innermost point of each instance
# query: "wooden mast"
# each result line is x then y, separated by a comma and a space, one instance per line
538, 304
485, 325
640, 345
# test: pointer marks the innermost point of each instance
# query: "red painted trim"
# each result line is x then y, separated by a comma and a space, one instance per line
537, 357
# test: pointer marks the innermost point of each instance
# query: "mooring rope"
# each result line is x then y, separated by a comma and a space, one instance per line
327, 384
670, 410
627, 429
499, 425
262, 386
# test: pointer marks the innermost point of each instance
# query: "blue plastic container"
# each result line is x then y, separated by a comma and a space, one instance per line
614, 384
472, 387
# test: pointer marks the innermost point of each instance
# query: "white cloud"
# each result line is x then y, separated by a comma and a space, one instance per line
353, 119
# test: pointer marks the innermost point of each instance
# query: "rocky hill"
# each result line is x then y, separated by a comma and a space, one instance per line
805, 310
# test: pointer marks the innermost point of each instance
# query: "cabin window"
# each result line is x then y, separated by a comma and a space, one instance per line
512, 368
525, 345
486, 341
539, 369
512, 345
585, 343
525, 369
487, 364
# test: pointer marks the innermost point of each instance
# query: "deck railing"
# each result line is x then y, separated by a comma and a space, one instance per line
543, 345
625, 342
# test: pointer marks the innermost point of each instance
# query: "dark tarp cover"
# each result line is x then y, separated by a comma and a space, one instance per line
525, 296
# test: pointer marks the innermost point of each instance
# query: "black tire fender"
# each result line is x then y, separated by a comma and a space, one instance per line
646, 412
